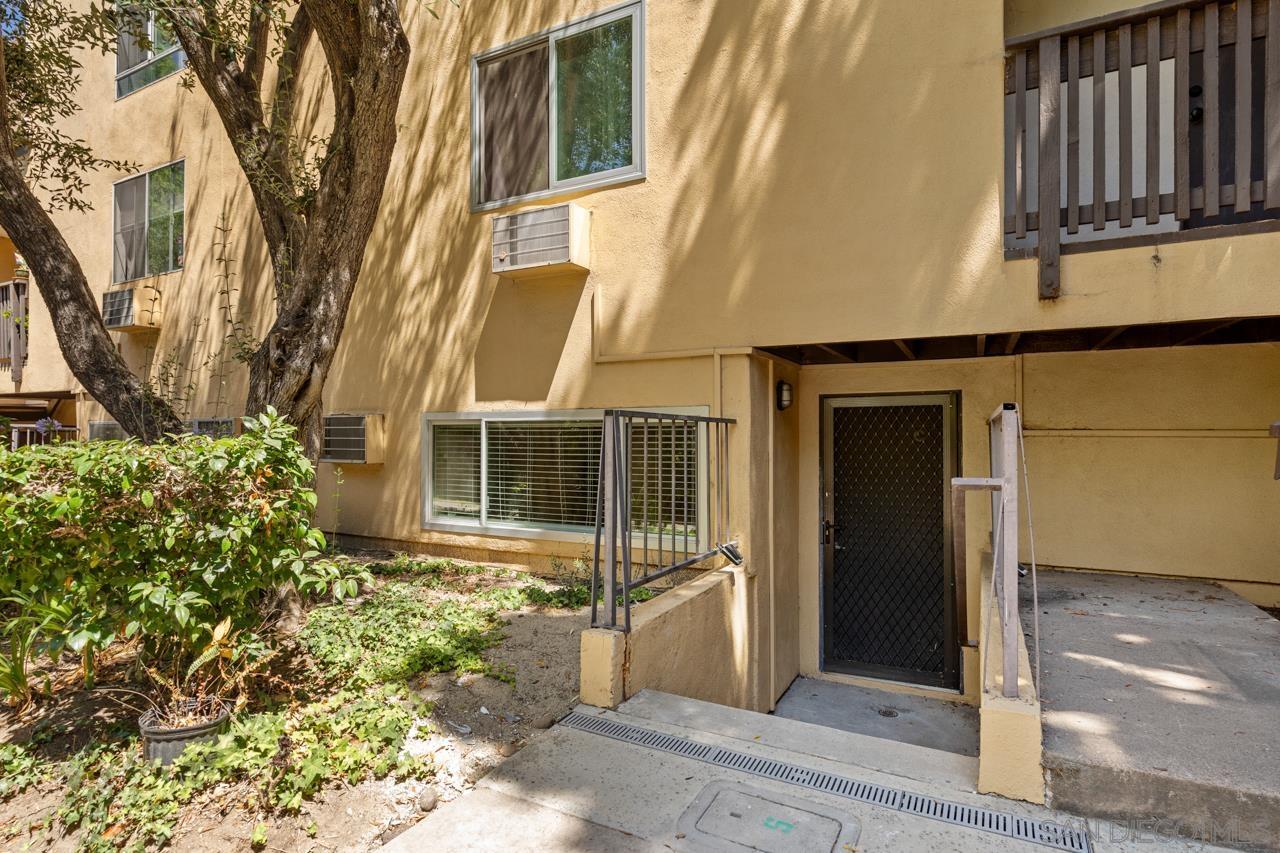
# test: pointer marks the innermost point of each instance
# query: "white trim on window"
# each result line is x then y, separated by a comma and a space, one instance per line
146, 218
560, 534
634, 9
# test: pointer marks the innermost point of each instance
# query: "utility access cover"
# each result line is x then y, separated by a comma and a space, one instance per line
731, 818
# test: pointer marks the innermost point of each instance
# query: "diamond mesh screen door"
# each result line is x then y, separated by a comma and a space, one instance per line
888, 607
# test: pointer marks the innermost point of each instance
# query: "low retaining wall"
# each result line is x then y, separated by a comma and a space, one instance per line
689, 641
1010, 752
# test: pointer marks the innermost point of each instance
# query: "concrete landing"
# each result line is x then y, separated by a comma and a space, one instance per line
919, 720
573, 790
1161, 700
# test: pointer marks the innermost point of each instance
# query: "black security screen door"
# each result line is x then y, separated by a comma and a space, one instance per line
888, 607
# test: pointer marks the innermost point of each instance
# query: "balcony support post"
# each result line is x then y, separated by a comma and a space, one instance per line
1050, 280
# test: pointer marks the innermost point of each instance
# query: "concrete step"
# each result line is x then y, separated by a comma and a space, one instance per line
908, 761
1224, 813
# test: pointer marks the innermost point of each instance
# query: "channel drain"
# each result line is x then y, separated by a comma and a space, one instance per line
1041, 832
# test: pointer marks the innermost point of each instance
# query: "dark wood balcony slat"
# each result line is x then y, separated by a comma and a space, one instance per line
1020, 144
1153, 119
1073, 135
1244, 97
1126, 125
1212, 175
1182, 117
1099, 132
1271, 131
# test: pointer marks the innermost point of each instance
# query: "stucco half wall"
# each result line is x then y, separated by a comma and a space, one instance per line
690, 641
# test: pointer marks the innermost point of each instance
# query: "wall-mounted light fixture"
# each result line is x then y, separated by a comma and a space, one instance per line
783, 395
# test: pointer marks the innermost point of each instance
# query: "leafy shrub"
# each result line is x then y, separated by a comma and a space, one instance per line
120, 800
395, 634
168, 543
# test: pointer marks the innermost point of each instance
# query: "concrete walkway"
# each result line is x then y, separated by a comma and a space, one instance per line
575, 790
901, 717
1161, 700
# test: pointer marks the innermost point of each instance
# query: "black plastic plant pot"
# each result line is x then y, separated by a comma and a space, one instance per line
163, 743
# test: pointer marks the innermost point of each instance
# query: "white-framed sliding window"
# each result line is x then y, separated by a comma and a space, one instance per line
148, 222
146, 51
559, 110
535, 474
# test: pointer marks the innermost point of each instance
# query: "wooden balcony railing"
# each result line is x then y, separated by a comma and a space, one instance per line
1214, 161
13, 327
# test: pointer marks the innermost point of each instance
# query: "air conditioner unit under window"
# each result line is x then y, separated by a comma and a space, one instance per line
128, 310
542, 242
351, 439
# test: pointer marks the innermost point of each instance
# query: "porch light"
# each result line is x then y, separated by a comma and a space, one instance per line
783, 395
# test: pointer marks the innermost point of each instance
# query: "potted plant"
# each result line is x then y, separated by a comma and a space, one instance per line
197, 705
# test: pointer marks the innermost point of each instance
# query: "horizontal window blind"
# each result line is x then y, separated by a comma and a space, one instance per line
455, 470
664, 479
543, 473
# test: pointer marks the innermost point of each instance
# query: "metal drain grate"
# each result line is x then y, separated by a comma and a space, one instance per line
1046, 833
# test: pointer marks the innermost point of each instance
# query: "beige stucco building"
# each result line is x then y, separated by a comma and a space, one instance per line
818, 200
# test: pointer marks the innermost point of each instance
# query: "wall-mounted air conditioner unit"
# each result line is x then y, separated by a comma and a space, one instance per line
351, 439
215, 427
542, 242
130, 310
104, 430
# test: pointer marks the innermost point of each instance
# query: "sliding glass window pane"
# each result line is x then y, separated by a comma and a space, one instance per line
131, 40
455, 471
164, 226
513, 98
593, 101
543, 473
162, 38
171, 62
129, 241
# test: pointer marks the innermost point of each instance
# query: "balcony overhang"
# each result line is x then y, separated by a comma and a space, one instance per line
1215, 332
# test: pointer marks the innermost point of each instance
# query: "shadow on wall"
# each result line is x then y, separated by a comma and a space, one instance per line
760, 158
524, 336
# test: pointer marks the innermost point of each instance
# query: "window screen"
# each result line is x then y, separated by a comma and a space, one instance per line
513, 97
455, 470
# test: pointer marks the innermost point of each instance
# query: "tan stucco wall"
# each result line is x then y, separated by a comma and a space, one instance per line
692, 641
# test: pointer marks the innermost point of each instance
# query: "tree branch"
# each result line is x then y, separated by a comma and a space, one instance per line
262, 154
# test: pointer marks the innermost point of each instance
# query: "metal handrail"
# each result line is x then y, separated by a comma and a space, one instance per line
682, 518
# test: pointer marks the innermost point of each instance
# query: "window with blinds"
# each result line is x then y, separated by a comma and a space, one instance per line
455, 470
544, 475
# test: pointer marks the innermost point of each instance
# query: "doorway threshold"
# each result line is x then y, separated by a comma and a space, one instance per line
906, 718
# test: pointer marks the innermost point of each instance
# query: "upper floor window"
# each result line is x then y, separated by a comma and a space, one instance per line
145, 51
560, 110
148, 210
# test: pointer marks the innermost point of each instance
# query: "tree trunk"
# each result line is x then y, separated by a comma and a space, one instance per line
86, 346
367, 54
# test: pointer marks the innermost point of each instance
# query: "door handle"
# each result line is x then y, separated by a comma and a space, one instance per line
829, 529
